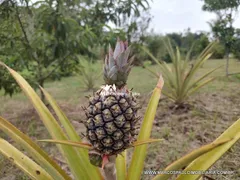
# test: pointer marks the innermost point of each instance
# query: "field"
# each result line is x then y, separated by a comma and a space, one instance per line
210, 111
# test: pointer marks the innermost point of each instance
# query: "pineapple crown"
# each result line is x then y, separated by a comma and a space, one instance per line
118, 65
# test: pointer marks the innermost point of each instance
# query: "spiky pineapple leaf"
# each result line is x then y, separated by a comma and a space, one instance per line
205, 161
148, 141
27, 165
197, 84
121, 159
35, 151
72, 134
74, 161
187, 159
68, 143
139, 154
121, 165
89, 146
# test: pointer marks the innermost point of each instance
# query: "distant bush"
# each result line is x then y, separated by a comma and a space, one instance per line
237, 55
147, 63
155, 45
236, 49
237, 76
139, 55
219, 51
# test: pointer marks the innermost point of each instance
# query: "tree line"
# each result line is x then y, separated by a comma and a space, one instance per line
222, 31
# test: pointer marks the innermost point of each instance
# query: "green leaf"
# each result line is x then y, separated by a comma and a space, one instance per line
139, 154
75, 162
35, 151
201, 78
89, 146
205, 161
121, 165
207, 50
192, 72
32, 169
187, 159
207, 74
193, 90
68, 143
164, 68
73, 136
139, 143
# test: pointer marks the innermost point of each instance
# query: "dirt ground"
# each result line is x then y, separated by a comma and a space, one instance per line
184, 130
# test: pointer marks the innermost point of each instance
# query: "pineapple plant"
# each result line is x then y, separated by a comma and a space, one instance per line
112, 112
181, 79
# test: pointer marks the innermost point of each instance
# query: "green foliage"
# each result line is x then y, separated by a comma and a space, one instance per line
155, 45
223, 30
88, 72
236, 46
42, 39
237, 76
147, 63
189, 40
139, 55
180, 78
218, 51
217, 5
185, 41
222, 27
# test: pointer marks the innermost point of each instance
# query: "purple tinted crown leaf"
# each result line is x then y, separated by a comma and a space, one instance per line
120, 48
118, 64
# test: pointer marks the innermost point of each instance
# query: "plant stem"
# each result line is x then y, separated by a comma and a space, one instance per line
227, 63
109, 171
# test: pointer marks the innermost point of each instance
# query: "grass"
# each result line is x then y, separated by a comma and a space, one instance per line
71, 88
211, 111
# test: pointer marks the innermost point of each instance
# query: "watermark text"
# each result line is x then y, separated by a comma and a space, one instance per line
217, 172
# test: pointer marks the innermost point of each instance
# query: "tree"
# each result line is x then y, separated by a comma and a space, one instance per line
44, 52
42, 39
126, 15
222, 27
236, 48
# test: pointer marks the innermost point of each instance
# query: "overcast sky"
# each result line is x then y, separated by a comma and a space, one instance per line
178, 15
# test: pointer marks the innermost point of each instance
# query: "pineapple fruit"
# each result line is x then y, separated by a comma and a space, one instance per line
111, 116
